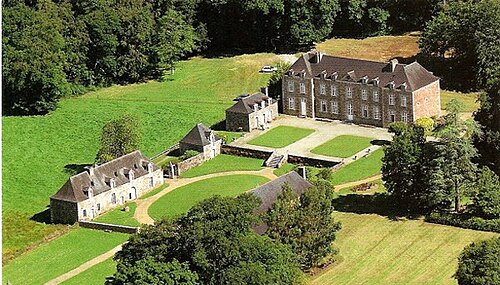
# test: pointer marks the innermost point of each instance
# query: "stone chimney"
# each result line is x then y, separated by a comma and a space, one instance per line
394, 62
302, 171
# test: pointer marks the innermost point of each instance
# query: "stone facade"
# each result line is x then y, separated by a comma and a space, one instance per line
251, 112
376, 94
203, 140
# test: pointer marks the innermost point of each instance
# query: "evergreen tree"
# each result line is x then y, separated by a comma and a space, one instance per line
486, 201
479, 264
119, 137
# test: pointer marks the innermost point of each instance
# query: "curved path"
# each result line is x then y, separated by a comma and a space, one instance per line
355, 183
141, 212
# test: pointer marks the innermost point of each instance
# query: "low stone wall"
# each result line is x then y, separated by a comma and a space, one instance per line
302, 160
245, 152
109, 227
191, 162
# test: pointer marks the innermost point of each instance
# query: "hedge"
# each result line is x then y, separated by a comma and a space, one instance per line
464, 221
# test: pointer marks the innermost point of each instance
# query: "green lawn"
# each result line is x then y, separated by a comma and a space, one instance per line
60, 256
182, 199
119, 217
40, 151
229, 136
95, 275
281, 136
343, 146
284, 169
375, 250
469, 100
224, 163
154, 191
359, 169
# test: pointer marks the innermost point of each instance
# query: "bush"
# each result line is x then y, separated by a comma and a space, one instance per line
464, 221
188, 154
479, 264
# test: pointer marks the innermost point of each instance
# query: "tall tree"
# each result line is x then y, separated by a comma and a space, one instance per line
486, 201
479, 264
119, 137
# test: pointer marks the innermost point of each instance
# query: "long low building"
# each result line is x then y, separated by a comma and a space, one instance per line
359, 91
101, 188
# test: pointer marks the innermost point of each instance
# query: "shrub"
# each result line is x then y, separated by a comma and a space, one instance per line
487, 198
464, 221
479, 264
188, 154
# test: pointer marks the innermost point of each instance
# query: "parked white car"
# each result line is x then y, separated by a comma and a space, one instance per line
268, 68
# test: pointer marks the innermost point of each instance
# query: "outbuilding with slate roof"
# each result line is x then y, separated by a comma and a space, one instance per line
250, 112
359, 91
101, 188
203, 140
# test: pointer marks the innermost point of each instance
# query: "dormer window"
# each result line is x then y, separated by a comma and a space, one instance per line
303, 74
323, 75
263, 104
255, 107
391, 85
269, 101
116, 174
131, 175
376, 81
334, 76
135, 165
364, 80
403, 86
112, 183
92, 183
150, 168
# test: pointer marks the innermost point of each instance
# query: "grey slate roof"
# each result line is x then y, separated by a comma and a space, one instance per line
117, 169
244, 105
199, 135
414, 75
269, 192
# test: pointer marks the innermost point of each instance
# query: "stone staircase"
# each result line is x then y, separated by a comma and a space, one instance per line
276, 159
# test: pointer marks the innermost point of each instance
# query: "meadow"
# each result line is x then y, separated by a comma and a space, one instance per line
120, 217
281, 136
363, 167
343, 146
180, 200
95, 275
224, 163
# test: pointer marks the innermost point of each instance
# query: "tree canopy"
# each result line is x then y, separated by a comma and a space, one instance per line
479, 264
119, 137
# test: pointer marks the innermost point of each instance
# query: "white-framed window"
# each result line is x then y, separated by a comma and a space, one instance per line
262, 104
350, 110
335, 107
112, 183
151, 182
404, 117
150, 167
391, 99
98, 206
322, 89
302, 88
291, 86
365, 111
348, 92
113, 198
403, 101
375, 96
392, 116
376, 113
364, 94
84, 212
323, 106
291, 103
334, 90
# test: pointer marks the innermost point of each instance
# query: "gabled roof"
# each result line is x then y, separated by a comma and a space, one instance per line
269, 192
99, 181
244, 104
199, 135
414, 75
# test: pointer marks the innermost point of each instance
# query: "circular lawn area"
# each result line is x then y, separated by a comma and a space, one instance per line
180, 200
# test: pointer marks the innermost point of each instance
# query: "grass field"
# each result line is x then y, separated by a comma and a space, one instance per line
154, 191
182, 199
281, 136
229, 136
119, 217
224, 163
95, 275
375, 250
39, 152
469, 100
60, 256
359, 169
284, 169
343, 146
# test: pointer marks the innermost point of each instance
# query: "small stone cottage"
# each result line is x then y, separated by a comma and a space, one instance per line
269, 192
101, 188
251, 112
203, 140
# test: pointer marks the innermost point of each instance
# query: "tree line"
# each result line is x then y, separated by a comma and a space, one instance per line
56, 48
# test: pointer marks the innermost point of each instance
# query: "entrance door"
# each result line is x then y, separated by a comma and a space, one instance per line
303, 107
393, 118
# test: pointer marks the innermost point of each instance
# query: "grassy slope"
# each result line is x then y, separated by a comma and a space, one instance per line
376, 250
59, 256
37, 149
181, 199
343, 146
154, 191
119, 217
224, 163
469, 100
95, 275
359, 169
281, 136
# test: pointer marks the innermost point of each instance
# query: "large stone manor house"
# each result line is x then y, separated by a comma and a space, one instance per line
359, 91
101, 188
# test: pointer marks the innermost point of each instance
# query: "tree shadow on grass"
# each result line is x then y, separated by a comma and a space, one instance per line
73, 169
379, 203
380, 142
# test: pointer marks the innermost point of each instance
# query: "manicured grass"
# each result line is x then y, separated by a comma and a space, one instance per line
343, 146
224, 163
39, 151
94, 275
281, 136
182, 199
469, 100
229, 136
119, 217
60, 256
359, 169
154, 191
376, 250
284, 169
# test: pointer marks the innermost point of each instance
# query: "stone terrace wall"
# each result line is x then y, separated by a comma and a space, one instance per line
109, 227
295, 159
191, 162
245, 152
